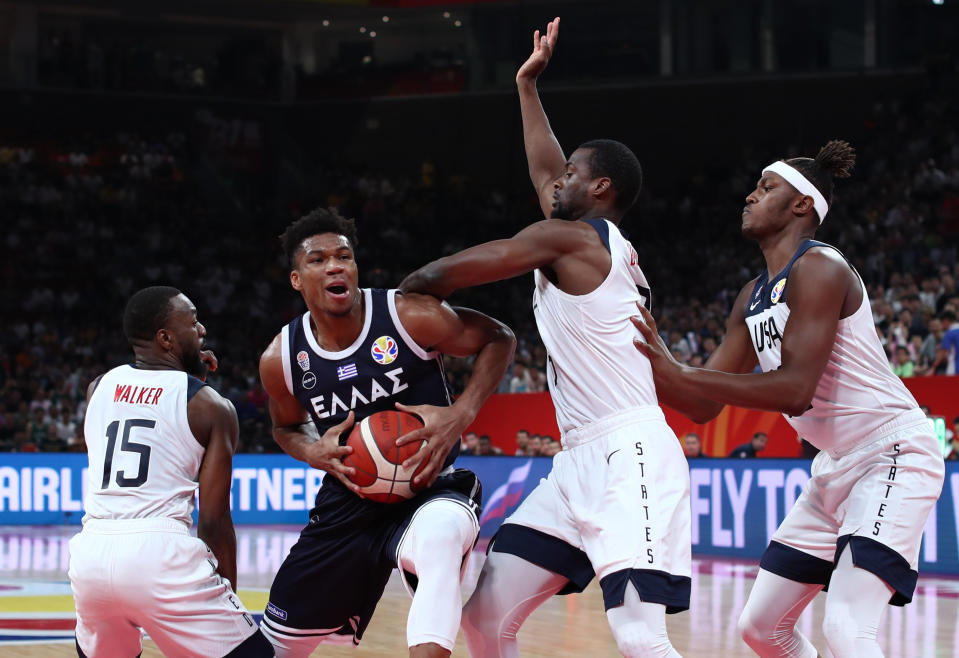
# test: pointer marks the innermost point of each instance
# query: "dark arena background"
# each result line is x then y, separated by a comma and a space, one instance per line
170, 142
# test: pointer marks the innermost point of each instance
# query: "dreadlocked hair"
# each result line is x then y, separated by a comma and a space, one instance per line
834, 160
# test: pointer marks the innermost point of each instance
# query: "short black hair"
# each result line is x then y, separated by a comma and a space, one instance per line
615, 161
321, 220
834, 160
146, 312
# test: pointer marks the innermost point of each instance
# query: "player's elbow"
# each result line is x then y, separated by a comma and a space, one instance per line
214, 528
426, 280
798, 403
702, 415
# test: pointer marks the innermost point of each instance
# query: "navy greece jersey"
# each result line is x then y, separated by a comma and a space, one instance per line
382, 367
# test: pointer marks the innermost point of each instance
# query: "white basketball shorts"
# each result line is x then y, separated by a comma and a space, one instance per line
875, 500
618, 492
151, 574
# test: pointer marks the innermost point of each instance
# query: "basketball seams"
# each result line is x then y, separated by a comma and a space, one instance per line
378, 459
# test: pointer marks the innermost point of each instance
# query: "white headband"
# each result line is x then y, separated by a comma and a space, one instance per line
802, 184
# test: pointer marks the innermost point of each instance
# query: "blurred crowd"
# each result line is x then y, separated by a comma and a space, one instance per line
88, 221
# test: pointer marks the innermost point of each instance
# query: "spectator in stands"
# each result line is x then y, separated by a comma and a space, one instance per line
693, 446
65, 426
522, 440
535, 446
949, 347
486, 447
521, 382
550, 446
752, 449
470, 444
902, 365
40, 428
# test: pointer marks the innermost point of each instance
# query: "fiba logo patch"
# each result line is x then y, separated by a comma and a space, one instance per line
303, 359
777, 292
384, 350
309, 380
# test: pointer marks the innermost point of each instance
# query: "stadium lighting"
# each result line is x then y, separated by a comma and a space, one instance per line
373, 33
386, 19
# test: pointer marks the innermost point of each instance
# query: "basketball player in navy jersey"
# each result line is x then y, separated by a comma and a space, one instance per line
806, 321
355, 352
616, 504
156, 435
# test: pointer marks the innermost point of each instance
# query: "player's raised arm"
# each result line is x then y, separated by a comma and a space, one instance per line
458, 332
537, 245
544, 155
293, 429
213, 422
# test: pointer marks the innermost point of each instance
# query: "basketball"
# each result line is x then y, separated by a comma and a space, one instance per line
378, 460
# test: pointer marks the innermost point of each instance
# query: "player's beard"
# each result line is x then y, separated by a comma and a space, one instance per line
561, 211
194, 365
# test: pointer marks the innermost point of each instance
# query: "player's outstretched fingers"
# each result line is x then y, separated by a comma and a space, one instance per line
419, 434
209, 360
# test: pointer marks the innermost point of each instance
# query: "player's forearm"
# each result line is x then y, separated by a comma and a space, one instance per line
489, 368
696, 408
778, 390
544, 155
295, 440
219, 535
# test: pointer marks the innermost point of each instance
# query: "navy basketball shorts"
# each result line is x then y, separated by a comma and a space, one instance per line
875, 500
335, 574
615, 504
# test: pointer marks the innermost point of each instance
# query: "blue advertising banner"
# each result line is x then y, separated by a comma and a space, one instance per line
736, 505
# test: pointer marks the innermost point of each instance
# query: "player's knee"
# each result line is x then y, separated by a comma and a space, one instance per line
754, 632
639, 640
451, 534
483, 619
840, 630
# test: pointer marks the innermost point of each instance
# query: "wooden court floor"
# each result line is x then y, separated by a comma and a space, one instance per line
36, 608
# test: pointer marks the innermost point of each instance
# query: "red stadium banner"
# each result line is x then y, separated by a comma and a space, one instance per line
504, 414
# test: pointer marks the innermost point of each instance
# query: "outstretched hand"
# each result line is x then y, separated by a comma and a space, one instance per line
442, 427
543, 45
654, 347
327, 454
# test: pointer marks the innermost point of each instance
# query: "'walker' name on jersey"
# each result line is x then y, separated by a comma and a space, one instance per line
137, 394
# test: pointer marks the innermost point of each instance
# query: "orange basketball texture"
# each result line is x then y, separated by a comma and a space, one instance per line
378, 460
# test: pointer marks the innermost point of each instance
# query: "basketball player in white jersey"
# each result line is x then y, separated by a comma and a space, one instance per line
156, 435
616, 504
806, 321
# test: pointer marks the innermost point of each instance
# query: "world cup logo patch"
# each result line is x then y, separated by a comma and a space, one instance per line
384, 350
303, 359
777, 292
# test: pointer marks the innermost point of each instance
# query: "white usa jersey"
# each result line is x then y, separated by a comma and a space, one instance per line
857, 394
593, 370
144, 459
